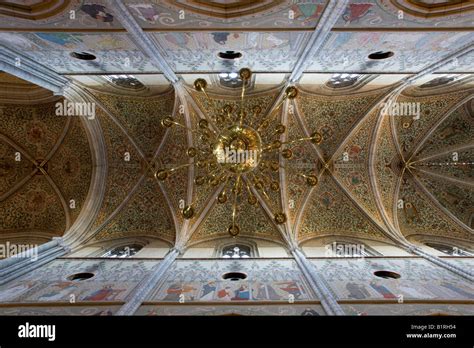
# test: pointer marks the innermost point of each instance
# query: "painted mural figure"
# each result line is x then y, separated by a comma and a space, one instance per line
64, 289
241, 294
357, 291
382, 290
457, 290
291, 288
407, 290
146, 12
14, 292
107, 293
208, 291
354, 12
220, 38
97, 12
224, 294
266, 292
307, 12
175, 290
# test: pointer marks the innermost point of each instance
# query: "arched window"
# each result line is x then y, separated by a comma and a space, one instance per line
125, 81
123, 251
449, 250
236, 251
342, 80
230, 80
439, 81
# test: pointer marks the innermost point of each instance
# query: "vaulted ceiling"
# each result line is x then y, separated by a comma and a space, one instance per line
379, 178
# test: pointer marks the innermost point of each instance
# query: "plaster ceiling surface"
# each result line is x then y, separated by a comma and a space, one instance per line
366, 164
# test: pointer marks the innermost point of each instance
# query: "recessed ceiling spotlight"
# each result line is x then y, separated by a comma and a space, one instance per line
381, 55
83, 55
229, 55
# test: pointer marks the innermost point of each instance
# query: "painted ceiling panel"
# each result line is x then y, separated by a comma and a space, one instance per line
453, 133
115, 52
304, 162
420, 216
458, 199
386, 14
331, 212
444, 165
166, 15
386, 177
122, 176
261, 51
349, 51
334, 116
146, 214
410, 131
46, 162
75, 14
351, 165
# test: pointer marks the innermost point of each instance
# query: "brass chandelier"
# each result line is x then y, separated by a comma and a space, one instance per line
233, 150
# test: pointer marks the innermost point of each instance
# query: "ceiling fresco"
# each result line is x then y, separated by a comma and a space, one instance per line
45, 163
379, 178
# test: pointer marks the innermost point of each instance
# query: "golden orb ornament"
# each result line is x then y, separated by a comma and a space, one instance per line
191, 152
199, 180
252, 200
312, 180
222, 197
203, 124
233, 230
291, 92
316, 138
280, 218
161, 174
245, 73
200, 85
280, 129
188, 212
167, 122
274, 186
238, 149
287, 153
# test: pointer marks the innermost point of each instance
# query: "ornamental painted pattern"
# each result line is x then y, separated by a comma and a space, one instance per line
454, 132
422, 217
351, 163
339, 113
432, 109
385, 153
414, 51
330, 212
113, 280
420, 279
197, 281
34, 199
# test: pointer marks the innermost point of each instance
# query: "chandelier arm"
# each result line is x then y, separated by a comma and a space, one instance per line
263, 190
241, 120
234, 204
271, 114
172, 170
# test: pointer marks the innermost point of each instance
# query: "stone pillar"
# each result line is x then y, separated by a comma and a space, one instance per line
148, 284
328, 301
20, 264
